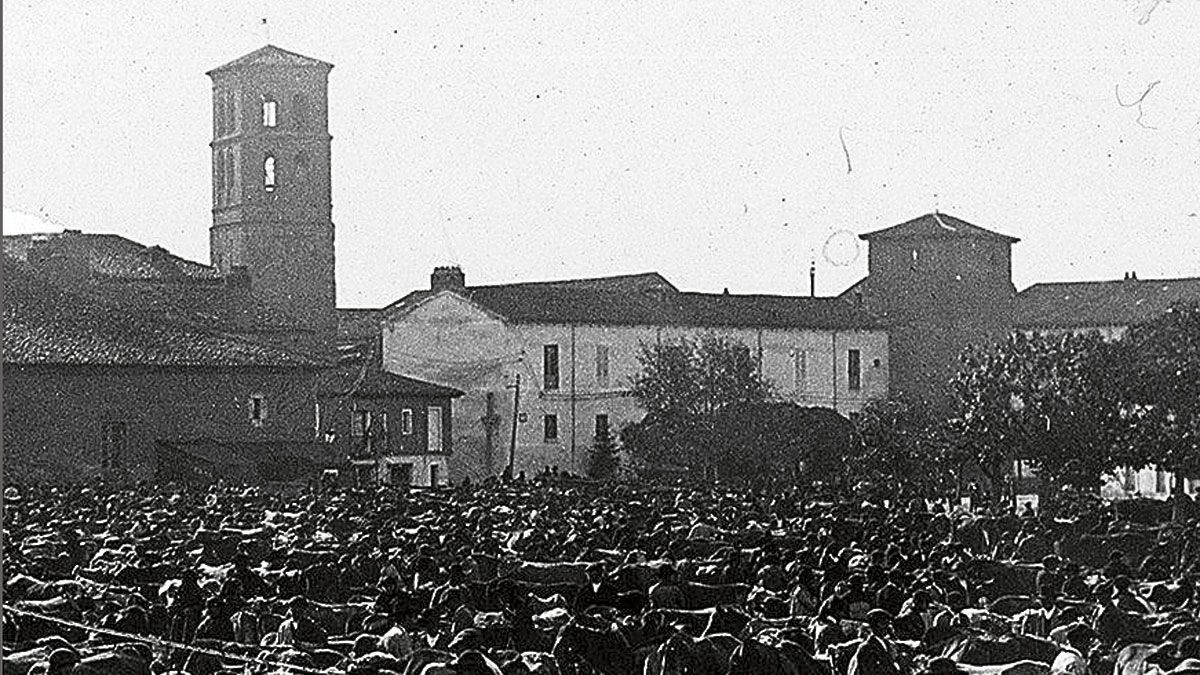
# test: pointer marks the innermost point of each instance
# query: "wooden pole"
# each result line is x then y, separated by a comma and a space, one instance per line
512, 446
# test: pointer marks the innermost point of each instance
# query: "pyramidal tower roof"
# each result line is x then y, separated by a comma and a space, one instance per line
270, 55
938, 225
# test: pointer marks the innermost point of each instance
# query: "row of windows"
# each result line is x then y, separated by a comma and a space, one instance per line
370, 428
550, 368
229, 112
550, 427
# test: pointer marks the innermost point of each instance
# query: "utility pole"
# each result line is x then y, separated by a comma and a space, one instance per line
512, 446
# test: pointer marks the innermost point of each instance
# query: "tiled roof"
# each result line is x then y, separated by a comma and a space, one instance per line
649, 300
940, 225
138, 278
778, 311
270, 55
367, 381
1100, 303
44, 324
107, 256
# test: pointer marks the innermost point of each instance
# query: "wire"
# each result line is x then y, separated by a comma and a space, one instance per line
159, 642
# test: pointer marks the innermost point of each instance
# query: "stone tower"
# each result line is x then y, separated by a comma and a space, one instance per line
940, 284
271, 195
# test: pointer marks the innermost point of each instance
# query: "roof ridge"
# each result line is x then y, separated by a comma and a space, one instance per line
1084, 282
554, 282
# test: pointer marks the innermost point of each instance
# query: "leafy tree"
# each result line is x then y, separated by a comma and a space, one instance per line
902, 449
779, 442
1154, 370
682, 384
1038, 398
694, 377
603, 461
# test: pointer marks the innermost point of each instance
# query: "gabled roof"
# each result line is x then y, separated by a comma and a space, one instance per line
46, 325
273, 56
936, 225
647, 300
1086, 304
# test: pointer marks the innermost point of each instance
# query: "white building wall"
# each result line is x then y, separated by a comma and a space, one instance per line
450, 341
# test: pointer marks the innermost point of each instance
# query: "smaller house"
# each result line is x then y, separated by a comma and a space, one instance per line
391, 429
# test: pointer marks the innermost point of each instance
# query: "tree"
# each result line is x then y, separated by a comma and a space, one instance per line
603, 461
1038, 399
681, 385
779, 442
901, 448
1154, 371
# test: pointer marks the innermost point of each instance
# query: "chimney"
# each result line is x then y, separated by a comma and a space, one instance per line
450, 278
812, 279
1133, 276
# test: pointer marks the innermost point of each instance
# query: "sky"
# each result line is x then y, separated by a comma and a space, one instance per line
724, 145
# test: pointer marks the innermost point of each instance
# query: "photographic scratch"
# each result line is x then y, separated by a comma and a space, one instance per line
845, 150
1137, 103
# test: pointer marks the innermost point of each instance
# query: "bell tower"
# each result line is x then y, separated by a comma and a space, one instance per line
271, 192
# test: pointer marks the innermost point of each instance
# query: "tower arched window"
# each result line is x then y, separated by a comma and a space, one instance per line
299, 111
270, 111
269, 173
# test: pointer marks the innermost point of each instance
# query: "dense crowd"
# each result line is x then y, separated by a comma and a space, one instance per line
557, 577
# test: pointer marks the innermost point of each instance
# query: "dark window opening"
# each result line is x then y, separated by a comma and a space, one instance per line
854, 369
601, 425
258, 410
550, 367
550, 428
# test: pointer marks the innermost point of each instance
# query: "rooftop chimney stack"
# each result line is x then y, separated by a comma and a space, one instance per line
449, 278
812, 279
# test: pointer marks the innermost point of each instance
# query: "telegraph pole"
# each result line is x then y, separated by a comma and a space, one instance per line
512, 445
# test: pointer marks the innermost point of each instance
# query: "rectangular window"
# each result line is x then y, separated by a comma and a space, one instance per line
384, 440
269, 110
1160, 481
406, 422
258, 410
550, 428
550, 367
112, 445
601, 425
799, 370
360, 423
433, 475
854, 369
602, 365
435, 428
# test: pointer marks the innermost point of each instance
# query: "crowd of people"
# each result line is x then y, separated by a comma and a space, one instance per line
554, 576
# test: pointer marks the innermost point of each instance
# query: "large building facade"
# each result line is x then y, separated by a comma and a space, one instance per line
574, 347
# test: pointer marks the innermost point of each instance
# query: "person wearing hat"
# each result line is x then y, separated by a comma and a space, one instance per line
1072, 659
877, 654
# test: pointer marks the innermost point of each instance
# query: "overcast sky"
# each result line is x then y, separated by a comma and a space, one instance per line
529, 140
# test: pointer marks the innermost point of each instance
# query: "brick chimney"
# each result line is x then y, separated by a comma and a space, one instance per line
450, 278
